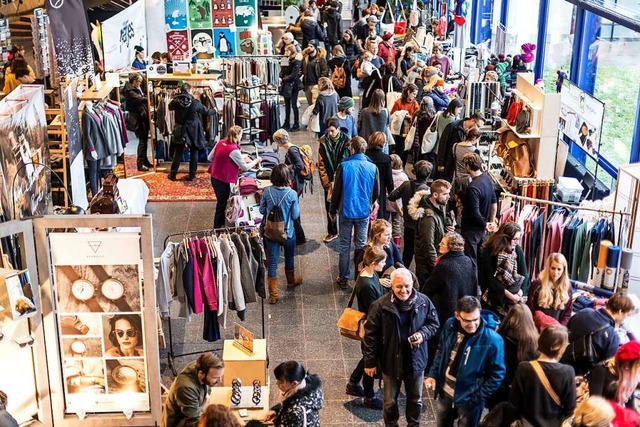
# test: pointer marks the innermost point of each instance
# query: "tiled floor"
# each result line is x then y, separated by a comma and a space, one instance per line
302, 325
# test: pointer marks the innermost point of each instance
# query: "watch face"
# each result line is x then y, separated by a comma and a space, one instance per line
112, 289
124, 375
82, 289
78, 347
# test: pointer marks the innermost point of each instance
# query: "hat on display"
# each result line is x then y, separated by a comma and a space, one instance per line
314, 43
372, 18
288, 36
139, 48
386, 36
628, 352
345, 103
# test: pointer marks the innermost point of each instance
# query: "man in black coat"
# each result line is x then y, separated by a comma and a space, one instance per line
136, 103
453, 133
601, 326
188, 129
333, 21
395, 343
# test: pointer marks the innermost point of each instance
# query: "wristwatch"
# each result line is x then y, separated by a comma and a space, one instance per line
78, 347
112, 289
81, 289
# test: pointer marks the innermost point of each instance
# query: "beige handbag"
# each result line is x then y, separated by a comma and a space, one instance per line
351, 322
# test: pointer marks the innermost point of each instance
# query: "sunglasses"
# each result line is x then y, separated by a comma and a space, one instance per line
131, 333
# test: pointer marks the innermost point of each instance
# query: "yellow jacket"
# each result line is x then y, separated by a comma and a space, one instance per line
11, 82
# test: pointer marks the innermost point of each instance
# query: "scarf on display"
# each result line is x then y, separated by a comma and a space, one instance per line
405, 305
284, 395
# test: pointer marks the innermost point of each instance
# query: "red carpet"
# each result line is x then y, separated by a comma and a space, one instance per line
162, 189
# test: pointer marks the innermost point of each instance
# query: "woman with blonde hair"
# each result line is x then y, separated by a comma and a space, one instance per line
551, 292
326, 104
380, 236
593, 412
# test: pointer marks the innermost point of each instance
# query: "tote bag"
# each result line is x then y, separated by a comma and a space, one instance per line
392, 96
430, 138
411, 135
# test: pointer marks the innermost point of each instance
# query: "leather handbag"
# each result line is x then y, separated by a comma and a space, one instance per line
514, 110
106, 200
351, 322
516, 154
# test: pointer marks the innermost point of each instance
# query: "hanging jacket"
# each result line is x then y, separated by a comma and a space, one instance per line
481, 368
187, 110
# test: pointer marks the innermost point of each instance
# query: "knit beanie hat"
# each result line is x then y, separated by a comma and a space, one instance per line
345, 103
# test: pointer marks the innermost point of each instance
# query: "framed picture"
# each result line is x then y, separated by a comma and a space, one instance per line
243, 338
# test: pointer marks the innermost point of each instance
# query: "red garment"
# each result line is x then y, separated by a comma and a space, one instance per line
625, 417
387, 51
411, 107
222, 167
207, 278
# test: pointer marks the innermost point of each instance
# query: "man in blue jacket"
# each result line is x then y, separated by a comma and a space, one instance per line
355, 190
395, 344
469, 365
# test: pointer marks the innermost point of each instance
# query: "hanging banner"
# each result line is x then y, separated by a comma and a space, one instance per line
24, 154
202, 44
581, 117
74, 145
121, 34
175, 14
224, 41
178, 45
102, 337
71, 39
222, 13
154, 14
199, 14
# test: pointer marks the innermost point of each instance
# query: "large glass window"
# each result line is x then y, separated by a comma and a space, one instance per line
560, 32
617, 82
522, 24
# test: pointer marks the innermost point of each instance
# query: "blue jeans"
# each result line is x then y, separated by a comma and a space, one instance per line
360, 227
413, 388
447, 414
273, 255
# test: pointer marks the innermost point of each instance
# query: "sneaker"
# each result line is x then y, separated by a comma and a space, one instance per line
354, 389
342, 282
373, 403
330, 238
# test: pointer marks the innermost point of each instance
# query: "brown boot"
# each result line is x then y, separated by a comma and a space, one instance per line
272, 282
292, 279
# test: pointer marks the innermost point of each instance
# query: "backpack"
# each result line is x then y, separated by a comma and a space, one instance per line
274, 226
339, 77
307, 159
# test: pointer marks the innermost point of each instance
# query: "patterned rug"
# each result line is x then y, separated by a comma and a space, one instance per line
162, 189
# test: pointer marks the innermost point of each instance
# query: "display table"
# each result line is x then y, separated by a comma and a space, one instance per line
222, 396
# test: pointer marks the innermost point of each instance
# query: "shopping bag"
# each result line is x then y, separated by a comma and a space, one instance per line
304, 120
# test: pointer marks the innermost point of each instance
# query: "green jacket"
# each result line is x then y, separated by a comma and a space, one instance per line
430, 230
186, 400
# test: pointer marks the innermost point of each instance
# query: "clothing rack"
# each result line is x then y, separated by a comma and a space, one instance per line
171, 355
532, 200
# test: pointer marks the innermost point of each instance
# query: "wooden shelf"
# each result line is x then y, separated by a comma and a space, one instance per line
97, 95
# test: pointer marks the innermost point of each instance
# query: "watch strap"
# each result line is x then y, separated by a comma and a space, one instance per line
122, 304
94, 305
100, 272
68, 271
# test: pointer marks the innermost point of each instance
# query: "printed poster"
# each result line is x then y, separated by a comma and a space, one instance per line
246, 13
246, 41
202, 44
581, 117
99, 307
224, 41
222, 13
199, 13
120, 35
175, 14
71, 39
178, 45
24, 154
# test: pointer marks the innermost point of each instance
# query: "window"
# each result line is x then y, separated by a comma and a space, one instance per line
560, 32
522, 24
615, 56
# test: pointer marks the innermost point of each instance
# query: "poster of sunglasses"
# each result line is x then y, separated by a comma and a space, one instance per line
123, 336
82, 347
126, 376
84, 376
81, 324
97, 288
